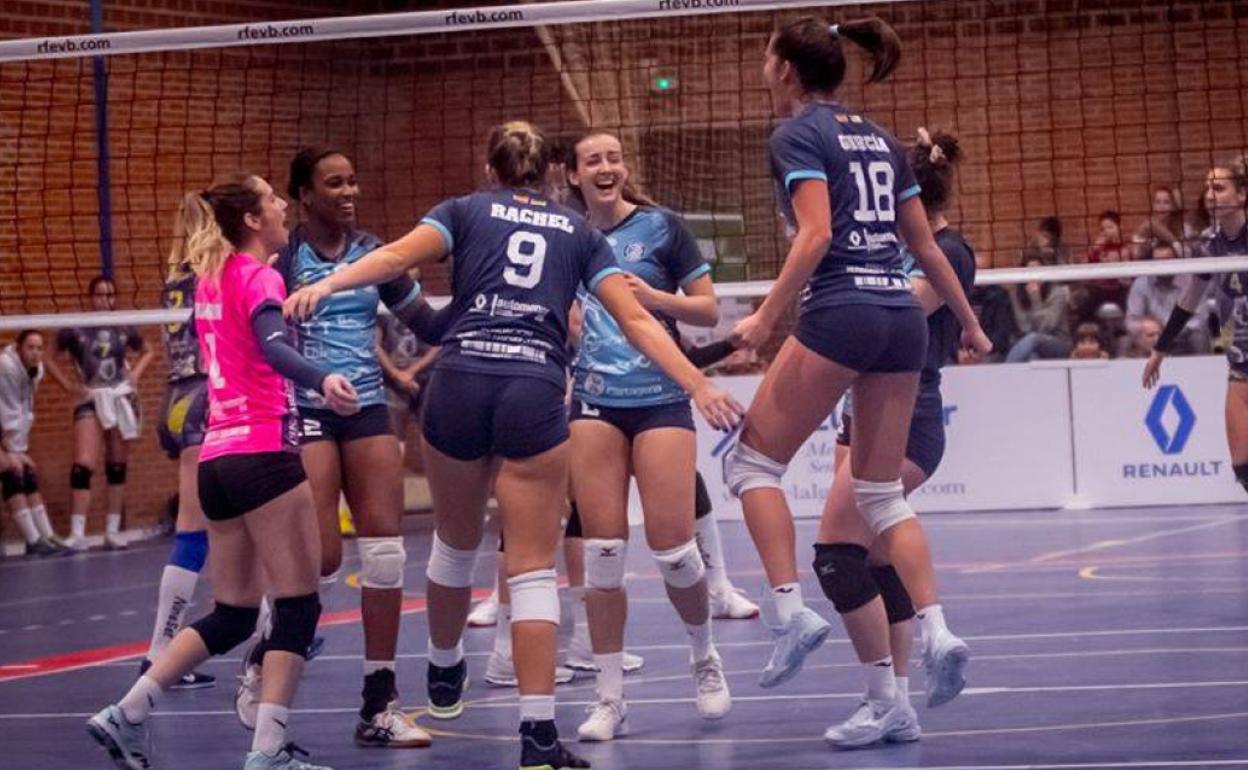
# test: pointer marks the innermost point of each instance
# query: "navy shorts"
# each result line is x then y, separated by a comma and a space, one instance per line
925, 446
327, 425
867, 338
233, 485
633, 421
185, 416
471, 415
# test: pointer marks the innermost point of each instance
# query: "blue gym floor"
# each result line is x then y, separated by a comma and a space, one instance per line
1100, 639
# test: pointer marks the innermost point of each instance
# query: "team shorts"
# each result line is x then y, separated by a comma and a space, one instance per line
633, 421
233, 485
185, 419
327, 425
925, 446
867, 338
471, 415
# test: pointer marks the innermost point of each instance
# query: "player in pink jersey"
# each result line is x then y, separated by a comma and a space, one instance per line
251, 481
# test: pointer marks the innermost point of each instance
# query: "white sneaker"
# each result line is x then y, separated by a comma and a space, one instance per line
873, 721
247, 699
391, 729
714, 700
285, 759
114, 541
730, 604
945, 658
126, 743
485, 614
75, 543
909, 731
500, 671
580, 655
802, 635
607, 720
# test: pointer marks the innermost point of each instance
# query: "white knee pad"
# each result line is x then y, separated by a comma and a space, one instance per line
534, 596
449, 566
604, 563
746, 469
682, 566
883, 503
381, 560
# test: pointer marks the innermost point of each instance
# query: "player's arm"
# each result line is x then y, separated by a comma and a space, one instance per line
695, 305
146, 354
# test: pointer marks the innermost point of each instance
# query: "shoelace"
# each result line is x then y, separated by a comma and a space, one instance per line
593, 708
710, 678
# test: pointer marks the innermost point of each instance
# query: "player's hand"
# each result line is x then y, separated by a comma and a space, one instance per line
752, 332
719, 408
976, 342
22, 460
407, 381
1152, 369
303, 303
645, 294
340, 395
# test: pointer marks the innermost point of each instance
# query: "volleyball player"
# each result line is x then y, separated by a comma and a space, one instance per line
106, 409
1226, 198
850, 201
629, 419
879, 614
358, 454
495, 406
252, 486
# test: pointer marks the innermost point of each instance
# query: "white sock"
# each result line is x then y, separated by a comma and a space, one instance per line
537, 708
903, 688
580, 616
610, 675
446, 658
373, 666
502, 631
932, 622
788, 601
139, 702
881, 679
700, 640
27, 525
177, 588
78, 525
712, 548
40, 514
271, 721
113, 525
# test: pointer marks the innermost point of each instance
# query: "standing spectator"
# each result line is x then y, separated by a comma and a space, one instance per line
21, 370
1108, 247
995, 311
1154, 297
1042, 312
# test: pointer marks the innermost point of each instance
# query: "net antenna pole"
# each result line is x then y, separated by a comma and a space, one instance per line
103, 177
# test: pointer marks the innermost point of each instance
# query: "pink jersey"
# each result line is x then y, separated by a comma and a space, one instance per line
251, 406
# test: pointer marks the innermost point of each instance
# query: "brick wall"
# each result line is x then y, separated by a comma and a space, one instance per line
1063, 106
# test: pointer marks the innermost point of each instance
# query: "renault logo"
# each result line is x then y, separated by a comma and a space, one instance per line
1169, 397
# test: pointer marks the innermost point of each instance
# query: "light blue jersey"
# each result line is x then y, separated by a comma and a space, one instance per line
341, 335
654, 245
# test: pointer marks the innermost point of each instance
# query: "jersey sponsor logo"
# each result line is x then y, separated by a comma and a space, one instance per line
205, 311
634, 251
501, 307
594, 384
312, 428
530, 217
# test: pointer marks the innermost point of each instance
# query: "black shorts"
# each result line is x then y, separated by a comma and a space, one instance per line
185, 419
633, 421
233, 485
925, 446
327, 425
867, 338
470, 415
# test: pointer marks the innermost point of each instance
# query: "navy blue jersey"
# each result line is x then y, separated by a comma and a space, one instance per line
868, 176
944, 332
181, 342
1218, 244
99, 352
341, 335
518, 260
653, 244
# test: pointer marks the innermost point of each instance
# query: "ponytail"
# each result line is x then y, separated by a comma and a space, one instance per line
198, 243
814, 49
517, 153
878, 39
933, 159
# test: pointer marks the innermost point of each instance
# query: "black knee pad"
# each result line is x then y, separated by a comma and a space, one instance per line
10, 484
701, 497
294, 623
573, 528
896, 599
115, 473
226, 627
30, 482
844, 576
80, 477
1241, 475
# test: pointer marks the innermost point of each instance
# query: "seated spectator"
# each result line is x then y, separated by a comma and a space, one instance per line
1089, 343
1154, 297
1046, 245
995, 312
1140, 343
1165, 225
1042, 311
1091, 296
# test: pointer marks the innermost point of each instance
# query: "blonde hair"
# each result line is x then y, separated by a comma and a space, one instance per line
209, 225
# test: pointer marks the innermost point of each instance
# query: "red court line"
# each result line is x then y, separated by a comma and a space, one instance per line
96, 656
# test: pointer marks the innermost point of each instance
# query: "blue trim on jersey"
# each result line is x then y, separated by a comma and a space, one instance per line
909, 193
695, 273
409, 299
601, 274
441, 228
806, 173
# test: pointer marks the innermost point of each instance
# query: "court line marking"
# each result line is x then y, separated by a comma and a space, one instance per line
1093, 573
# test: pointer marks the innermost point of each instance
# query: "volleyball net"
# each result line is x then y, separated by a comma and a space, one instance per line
1063, 110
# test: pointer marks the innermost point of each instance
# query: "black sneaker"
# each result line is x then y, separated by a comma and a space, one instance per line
192, 681
446, 690
42, 549
540, 748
